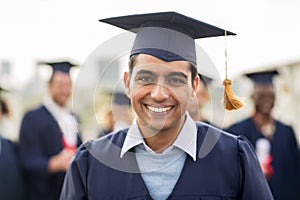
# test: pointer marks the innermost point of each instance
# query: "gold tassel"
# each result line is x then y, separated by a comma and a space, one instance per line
230, 100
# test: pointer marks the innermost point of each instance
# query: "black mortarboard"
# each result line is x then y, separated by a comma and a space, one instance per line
3, 105
120, 98
2, 90
204, 79
63, 66
166, 35
263, 77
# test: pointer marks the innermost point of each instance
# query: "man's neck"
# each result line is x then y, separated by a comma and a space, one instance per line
158, 141
260, 119
58, 105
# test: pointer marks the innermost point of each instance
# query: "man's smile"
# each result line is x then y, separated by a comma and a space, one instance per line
159, 109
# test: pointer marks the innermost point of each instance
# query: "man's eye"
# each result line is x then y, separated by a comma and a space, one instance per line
176, 82
145, 79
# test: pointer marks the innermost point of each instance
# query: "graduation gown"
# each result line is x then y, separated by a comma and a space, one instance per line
230, 170
11, 182
285, 182
40, 138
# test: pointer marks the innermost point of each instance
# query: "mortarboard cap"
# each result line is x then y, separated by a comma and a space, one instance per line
2, 90
120, 98
4, 109
264, 77
63, 66
166, 35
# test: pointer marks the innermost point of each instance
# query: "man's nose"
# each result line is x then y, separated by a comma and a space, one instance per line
160, 92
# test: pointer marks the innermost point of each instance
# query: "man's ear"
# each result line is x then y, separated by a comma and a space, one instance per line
126, 80
196, 84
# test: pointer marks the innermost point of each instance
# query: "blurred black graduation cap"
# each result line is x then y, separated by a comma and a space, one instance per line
205, 79
61, 66
262, 77
120, 98
3, 105
2, 90
166, 35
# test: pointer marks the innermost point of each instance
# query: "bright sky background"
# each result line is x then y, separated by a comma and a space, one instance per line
268, 31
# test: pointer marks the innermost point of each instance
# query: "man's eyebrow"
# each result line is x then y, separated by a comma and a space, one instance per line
178, 74
143, 71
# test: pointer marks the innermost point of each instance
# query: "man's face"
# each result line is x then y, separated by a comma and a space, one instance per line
264, 98
159, 91
60, 88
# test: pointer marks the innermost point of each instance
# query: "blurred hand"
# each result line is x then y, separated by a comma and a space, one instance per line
60, 161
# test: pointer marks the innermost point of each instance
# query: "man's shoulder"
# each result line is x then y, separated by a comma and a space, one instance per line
285, 130
240, 126
115, 138
107, 142
105, 152
37, 111
38, 116
212, 135
204, 128
217, 142
243, 122
283, 124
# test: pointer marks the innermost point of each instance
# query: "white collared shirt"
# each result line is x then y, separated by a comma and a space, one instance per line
160, 172
66, 121
186, 139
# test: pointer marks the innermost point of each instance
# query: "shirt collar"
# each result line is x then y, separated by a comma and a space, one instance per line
186, 139
54, 108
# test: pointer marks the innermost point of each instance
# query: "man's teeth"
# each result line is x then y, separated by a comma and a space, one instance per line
158, 110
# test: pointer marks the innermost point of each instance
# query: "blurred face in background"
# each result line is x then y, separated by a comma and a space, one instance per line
264, 98
60, 88
197, 101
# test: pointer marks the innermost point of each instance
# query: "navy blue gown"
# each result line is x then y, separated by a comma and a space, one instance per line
11, 181
229, 171
40, 138
285, 182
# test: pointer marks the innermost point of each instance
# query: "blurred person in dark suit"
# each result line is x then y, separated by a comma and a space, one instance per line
49, 137
274, 141
11, 180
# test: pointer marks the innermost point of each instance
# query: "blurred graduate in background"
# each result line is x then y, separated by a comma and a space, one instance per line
118, 114
274, 141
11, 181
49, 137
199, 99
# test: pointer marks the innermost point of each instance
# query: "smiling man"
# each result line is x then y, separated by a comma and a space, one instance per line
160, 91
161, 155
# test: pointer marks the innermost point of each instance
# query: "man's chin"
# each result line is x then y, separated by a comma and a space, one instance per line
266, 112
155, 128
62, 103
